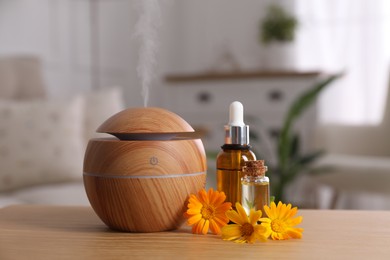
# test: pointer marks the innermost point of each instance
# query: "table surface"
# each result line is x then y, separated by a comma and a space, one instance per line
54, 232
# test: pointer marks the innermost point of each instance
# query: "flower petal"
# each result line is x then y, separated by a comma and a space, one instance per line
214, 227
262, 237
271, 213
221, 220
279, 209
265, 220
203, 198
219, 199
193, 211
199, 226
194, 219
276, 236
294, 221
286, 211
266, 232
295, 232
231, 232
252, 238
216, 216
205, 228
292, 212
254, 216
241, 212
212, 195
282, 211
259, 229
261, 233
223, 207
235, 217
194, 202
221, 215
267, 211
240, 241
282, 215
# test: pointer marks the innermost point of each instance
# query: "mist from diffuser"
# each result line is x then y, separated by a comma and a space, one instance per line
146, 30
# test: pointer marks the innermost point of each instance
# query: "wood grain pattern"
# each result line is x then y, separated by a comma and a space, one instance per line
142, 205
163, 175
148, 158
145, 120
143, 185
48, 232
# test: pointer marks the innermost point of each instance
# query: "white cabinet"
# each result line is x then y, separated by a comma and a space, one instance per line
203, 101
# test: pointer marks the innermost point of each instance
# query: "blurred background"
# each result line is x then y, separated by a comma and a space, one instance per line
313, 77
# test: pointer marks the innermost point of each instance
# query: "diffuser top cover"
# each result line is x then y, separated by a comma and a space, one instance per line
141, 123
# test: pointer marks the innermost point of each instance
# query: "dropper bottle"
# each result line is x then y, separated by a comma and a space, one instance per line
235, 152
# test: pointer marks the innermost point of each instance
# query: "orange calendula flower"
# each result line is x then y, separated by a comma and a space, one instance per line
246, 228
280, 222
207, 210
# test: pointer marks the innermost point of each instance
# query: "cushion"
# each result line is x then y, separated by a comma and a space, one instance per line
21, 78
6, 200
69, 193
40, 142
8, 81
28, 70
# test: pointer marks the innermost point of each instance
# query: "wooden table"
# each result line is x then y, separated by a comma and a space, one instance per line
48, 232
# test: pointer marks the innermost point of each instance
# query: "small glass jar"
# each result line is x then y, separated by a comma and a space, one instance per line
255, 186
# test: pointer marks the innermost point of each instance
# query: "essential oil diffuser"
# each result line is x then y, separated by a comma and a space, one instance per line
140, 180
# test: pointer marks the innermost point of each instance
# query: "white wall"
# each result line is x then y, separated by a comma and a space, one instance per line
206, 29
193, 36
59, 32
43, 28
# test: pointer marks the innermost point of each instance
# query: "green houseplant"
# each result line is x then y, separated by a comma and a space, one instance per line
290, 160
276, 34
277, 26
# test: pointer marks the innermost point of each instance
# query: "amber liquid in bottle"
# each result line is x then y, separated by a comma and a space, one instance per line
229, 170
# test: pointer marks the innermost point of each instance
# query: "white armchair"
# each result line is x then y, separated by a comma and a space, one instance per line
360, 157
356, 182
42, 141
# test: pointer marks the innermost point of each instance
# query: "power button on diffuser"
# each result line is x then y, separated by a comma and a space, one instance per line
153, 160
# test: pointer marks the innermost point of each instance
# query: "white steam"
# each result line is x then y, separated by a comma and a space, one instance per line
146, 30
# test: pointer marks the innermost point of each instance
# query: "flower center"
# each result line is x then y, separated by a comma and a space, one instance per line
207, 212
246, 229
277, 226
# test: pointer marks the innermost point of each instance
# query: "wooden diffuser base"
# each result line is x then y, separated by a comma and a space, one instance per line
141, 205
143, 185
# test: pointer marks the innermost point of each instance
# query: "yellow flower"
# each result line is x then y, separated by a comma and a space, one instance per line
280, 222
246, 229
207, 211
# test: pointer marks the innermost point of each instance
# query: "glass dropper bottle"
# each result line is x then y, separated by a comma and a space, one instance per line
254, 186
234, 153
